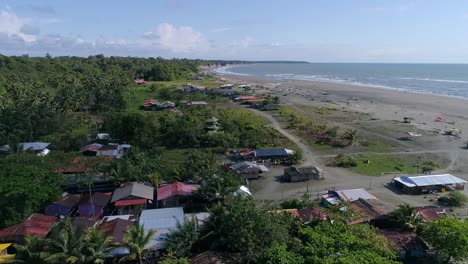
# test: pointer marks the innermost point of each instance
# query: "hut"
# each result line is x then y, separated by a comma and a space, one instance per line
296, 174
175, 194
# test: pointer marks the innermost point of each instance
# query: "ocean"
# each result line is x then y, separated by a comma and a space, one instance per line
441, 79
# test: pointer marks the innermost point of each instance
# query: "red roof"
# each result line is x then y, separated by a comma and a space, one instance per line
116, 229
36, 225
130, 202
176, 188
429, 213
306, 214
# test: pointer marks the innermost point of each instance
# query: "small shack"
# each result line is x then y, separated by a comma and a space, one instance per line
296, 174
36, 225
428, 183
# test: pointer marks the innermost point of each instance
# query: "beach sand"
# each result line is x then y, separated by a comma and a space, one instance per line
391, 105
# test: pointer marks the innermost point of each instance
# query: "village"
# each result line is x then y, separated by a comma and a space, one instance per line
286, 174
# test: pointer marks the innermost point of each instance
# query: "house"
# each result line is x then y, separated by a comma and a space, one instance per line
140, 82
244, 87
428, 183
248, 170
244, 97
36, 225
226, 86
64, 206
197, 103
7, 253
307, 214
274, 155
296, 174
91, 149
163, 221
406, 244
152, 105
131, 217
332, 197
174, 194
133, 195
113, 150
430, 213
92, 206
116, 229
37, 147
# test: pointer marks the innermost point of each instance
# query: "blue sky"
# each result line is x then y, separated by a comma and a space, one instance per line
316, 31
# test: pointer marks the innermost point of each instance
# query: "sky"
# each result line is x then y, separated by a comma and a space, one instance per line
311, 30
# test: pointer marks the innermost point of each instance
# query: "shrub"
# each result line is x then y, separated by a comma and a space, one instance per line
454, 199
345, 161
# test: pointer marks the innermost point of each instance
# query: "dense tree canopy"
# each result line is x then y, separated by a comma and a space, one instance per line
25, 188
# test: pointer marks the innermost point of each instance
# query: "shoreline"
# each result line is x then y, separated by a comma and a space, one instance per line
385, 104
216, 71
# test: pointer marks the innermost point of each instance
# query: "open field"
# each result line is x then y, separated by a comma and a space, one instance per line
381, 139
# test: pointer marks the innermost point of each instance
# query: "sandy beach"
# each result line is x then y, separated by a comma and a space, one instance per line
386, 106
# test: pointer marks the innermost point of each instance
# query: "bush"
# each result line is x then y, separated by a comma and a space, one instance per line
454, 199
345, 161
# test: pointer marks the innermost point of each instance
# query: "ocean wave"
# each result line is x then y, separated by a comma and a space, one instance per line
432, 80
225, 70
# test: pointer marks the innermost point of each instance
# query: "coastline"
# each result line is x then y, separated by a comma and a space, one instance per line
387, 104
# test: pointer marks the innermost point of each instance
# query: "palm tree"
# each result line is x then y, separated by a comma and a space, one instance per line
34, 251
136, 240
98, 245
404, 217
181, 240
77, 245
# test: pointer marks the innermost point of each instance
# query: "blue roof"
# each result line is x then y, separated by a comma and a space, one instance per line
270, 152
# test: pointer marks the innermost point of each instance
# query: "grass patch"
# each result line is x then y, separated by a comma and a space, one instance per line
320, 146
383, 164
379, 147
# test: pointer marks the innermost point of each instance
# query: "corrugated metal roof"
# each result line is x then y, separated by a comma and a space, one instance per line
427, 180
271, 152
163, 221
355, 194
176, 188
133, 189
34, 146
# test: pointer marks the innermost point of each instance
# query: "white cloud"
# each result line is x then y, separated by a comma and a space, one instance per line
16, 27
218, 30
177, 39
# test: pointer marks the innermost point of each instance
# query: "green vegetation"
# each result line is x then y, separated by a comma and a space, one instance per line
448, 237
316, 132
381, 164
25, 187
454, 199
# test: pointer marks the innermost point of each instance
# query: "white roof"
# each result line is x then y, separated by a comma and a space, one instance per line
289, 151
427, 180
355, 194
163, 221
34, 146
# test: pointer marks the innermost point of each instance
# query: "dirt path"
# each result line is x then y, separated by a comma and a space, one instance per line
272, 188
309, 158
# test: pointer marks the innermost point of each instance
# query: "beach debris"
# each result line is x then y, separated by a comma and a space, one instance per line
407, 120
439, 119
455, 132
